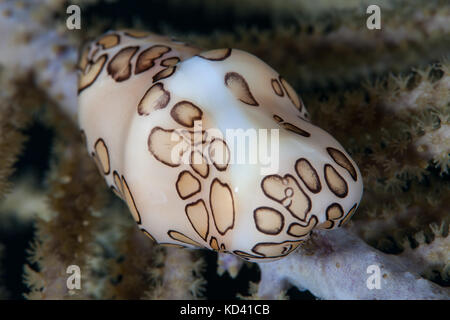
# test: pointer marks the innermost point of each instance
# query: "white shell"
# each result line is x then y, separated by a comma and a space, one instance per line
132, 96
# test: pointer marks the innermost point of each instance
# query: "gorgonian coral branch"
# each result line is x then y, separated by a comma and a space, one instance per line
335, 265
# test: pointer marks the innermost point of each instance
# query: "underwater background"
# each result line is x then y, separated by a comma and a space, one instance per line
383, 94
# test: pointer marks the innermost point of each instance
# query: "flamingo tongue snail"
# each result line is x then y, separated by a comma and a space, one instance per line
141, 97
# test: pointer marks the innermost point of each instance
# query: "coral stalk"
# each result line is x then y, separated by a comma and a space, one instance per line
333, 265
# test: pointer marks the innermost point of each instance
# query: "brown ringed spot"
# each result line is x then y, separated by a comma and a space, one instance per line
178, 236
109, 41
295, 129
199, 164
286, 191
343, 161
277, 87
308, 175
187, 185
216, 55
84, 60
118, 182
90, 74
290, 127
335, 182
222, 206
186, 113
136, 33
219, 154
97, 162
268, 220
214, 244
326, 225
116, 192
245, 255
173, 245
348, 215
198, 217
166, 146
165, 73
148, 235
94, 53
334, 212
298, 230
275, 250
291, 93
239, 88
154, 99
169, 62
130, 201
278, 119
119, 68
146, 59
101, 150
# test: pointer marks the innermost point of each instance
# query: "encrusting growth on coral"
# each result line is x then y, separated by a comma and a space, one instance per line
383, 94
